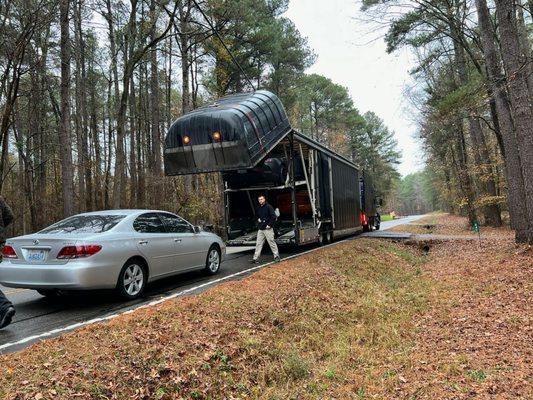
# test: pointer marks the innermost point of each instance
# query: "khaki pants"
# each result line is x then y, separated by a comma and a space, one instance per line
268, 235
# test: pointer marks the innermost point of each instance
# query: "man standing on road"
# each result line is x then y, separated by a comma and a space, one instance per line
266, 219
7, 311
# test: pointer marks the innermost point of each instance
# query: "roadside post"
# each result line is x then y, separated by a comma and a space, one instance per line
476, 228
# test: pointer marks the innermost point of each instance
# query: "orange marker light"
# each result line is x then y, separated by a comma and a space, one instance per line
186, 140
217, 136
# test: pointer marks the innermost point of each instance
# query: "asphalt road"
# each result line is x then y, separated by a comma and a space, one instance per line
38, 318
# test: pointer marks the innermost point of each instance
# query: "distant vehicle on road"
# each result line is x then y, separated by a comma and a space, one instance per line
248, 138
115, 249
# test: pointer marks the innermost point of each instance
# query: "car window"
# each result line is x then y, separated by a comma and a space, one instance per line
84, 224
149, 223
175, 224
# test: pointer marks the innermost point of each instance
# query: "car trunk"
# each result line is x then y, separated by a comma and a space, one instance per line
43, 248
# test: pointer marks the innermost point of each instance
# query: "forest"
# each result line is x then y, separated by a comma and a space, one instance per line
473, 92
89, 88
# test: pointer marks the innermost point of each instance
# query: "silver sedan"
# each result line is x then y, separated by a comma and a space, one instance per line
115, 249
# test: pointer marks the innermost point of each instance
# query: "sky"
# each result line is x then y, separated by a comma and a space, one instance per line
351, 53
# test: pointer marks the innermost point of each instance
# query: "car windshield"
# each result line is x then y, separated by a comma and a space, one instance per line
85, 224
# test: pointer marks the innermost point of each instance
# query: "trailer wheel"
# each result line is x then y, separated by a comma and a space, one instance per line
377, 222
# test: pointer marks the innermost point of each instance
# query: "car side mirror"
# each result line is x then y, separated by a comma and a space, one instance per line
197, 229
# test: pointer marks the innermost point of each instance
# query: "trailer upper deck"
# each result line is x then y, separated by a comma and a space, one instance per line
235, 132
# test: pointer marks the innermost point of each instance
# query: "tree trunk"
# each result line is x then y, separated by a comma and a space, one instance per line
514, 60
465, 182
38, 129
155, 102
184, 53
85, 112
133, 164
78, 116
513, 169
169, 85
525, 45
64, 128
481, 155
95, 136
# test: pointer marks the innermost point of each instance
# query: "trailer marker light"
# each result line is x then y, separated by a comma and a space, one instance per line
363, 219
217, 136
186, 139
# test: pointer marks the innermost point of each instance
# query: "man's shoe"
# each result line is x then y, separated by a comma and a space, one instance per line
277, 259
7, 317
253, 261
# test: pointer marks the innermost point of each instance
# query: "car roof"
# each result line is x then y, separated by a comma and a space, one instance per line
125, 212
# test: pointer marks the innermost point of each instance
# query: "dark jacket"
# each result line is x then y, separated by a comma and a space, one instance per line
266, 215
6, 217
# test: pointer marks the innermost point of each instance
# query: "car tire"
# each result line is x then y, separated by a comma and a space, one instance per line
132, 280
213, 260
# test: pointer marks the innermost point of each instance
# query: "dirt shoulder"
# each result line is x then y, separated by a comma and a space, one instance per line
363, 319
453, 225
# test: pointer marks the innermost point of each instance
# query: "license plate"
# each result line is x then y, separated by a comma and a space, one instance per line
36, 255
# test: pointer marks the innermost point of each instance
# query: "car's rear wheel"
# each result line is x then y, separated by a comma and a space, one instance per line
132, 280
212, 263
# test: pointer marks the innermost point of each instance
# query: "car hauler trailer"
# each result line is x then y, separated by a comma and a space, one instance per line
248, 138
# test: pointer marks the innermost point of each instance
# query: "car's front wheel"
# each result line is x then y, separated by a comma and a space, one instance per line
212, 263
132, 280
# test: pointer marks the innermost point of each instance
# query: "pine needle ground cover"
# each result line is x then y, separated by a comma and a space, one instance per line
447, 224
360, 320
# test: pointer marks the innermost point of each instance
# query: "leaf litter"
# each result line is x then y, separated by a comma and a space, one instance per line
363, 319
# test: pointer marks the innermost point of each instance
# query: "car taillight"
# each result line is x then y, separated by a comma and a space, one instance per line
9, 252
80, 251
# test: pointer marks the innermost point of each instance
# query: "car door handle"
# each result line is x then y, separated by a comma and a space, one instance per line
177, 240
143, 241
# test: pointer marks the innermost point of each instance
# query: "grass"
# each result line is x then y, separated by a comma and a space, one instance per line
317, 327
386, 217
365, 319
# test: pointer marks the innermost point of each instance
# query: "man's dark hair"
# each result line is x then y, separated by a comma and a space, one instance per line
262, 195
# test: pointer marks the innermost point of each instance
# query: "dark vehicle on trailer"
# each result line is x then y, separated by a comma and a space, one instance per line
320, 195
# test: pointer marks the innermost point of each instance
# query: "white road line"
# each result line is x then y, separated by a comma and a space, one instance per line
152, 303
